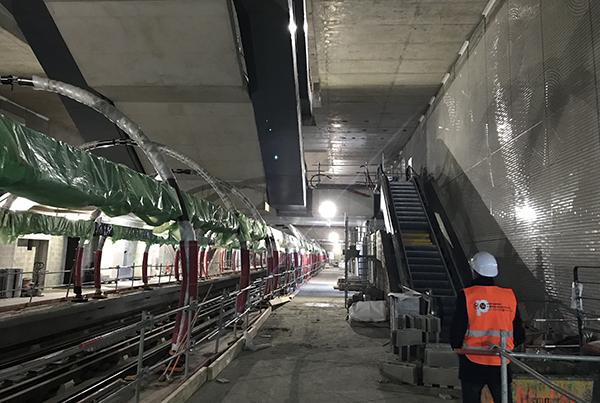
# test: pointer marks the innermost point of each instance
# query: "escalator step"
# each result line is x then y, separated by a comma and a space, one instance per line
418, 276
402, 213
436, 261
424, 253
420, 248
427, 268
405, 196
412, 219
408, 204
433, 284
416, 234
409, 225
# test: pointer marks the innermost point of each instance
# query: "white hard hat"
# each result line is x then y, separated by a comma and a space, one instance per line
484, 264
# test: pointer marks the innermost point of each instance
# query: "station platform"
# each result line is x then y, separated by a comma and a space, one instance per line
315, 356
58, 295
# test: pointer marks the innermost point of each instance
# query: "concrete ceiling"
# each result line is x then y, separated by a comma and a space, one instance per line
173, 67
18, 59
377, 64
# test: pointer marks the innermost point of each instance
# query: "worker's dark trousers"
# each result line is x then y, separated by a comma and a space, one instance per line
471, 391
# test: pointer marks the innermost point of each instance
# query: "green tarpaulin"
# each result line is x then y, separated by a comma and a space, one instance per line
50, 172
14, 224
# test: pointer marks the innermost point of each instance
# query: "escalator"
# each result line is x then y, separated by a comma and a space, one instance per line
420, 261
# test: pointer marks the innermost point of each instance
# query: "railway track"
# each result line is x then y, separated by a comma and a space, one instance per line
85, 368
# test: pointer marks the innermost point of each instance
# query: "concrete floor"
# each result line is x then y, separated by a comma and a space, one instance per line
315, 357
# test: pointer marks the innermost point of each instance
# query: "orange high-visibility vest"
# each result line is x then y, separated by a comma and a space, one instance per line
491, 311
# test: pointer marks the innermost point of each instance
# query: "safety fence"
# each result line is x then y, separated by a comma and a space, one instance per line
515, 358
116, 278
12, 282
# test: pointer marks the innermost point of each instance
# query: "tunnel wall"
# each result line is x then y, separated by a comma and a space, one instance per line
512, 147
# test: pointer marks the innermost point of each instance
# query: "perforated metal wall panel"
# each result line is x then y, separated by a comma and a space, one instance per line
513, 146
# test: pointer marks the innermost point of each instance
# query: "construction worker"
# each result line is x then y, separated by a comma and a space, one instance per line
484, 312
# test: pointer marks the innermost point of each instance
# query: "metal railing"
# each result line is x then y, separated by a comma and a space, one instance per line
123, 278
117, 275
514, 357
207, 320
578, 299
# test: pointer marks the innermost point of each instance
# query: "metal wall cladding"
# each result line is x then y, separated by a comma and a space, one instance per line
513, 147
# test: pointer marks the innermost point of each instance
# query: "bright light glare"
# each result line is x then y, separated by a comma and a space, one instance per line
327, 209
525, 213
337, 249
293, 27
333, 237
336, 125
22, 204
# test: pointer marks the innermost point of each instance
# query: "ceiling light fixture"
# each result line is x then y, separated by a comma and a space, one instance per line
292, 27
463, 48
333, 237
488, 8
327, 209
445, 78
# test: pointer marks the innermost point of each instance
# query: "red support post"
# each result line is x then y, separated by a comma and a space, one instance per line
189, 289
286, 268
207, 256
296, 268
244, 278
97, 277
176, 264
275, 270
145, 267
77, 288
270, 270
201, 261
222, 260
97, 269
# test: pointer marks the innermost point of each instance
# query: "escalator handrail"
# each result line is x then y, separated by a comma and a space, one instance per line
386, 195
414, 177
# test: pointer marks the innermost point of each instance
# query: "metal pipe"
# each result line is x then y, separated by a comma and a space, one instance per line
503, 370
154, 154
541, 377
211, 180
556, 357
140, 357
346, 259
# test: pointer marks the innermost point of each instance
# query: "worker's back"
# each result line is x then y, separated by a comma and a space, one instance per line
485, 313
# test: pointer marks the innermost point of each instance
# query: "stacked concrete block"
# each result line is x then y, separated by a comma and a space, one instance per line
440, 355
401, 372
440, 366
444, 377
